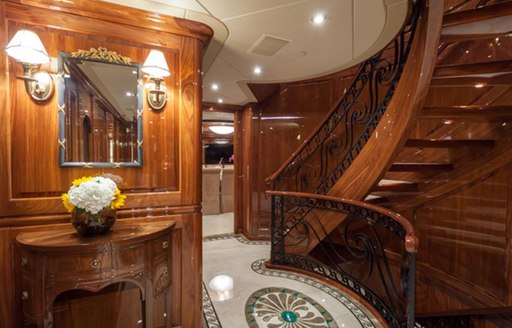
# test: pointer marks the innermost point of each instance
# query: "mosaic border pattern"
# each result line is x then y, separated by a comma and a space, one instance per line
240, 238
211, 320
258, 266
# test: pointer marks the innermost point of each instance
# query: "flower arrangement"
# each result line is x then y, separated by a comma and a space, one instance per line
91, 195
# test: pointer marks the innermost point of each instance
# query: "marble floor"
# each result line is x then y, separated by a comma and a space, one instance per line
218, 224
240, 292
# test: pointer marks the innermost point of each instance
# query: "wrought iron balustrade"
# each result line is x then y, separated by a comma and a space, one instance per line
372, 252
332, 147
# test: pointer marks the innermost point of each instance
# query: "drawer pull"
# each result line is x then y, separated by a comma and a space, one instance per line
95, 263
24, 261
24, 295
165, 245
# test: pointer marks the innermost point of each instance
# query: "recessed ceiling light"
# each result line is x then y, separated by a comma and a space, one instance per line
129, 94
318, 19
222, 129
257, 70
215, 86
220, 100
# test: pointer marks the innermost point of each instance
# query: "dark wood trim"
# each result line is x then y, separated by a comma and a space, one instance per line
452, 38
223, 108
478, 14
420, 167
396, 187
475, 312
473, 69
125, 213
421, 143
406, 224
474, 112
471, 81
125, 15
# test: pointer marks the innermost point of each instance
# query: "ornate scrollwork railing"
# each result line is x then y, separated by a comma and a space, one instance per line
372, 252
332, 147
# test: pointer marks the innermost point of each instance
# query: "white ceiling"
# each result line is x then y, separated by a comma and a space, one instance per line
353, 30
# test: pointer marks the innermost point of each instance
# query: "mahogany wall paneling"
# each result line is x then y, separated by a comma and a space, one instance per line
169, 182
298, 107
34, 177
466, 241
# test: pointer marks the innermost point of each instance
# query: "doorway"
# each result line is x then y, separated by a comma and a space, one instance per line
218, 171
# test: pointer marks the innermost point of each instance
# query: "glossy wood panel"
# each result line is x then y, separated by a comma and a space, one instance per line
470, 225
169, 183
272, 130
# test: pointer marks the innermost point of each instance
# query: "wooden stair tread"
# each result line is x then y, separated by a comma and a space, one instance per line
471, 81
495, 67
395, 186
478, 14
425, 143
474, 112
420, 167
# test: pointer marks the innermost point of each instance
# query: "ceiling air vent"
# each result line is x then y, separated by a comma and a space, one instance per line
267, 45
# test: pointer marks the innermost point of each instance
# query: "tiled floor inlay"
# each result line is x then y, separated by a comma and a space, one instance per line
258, 266
285, 308
257, 302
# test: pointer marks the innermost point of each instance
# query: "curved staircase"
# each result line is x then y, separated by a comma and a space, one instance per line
397, 139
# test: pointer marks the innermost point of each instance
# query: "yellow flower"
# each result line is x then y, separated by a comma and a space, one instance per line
118, 201
67, 204
78, 181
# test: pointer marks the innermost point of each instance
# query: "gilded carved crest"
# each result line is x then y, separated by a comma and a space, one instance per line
102, 54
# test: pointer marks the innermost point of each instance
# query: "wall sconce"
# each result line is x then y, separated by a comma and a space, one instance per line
28, 50
156, 67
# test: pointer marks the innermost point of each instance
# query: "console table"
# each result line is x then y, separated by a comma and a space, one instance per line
51, 263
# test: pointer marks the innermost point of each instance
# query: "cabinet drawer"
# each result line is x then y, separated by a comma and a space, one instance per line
27, 263
161, 247
86, 266
27, 296
129, 259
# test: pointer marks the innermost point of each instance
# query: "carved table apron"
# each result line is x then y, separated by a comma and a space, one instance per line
60, 260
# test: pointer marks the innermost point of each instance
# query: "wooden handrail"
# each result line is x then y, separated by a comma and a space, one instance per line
320, 125
391, 134
411, 241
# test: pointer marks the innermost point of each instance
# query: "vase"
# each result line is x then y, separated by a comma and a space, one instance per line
88, 225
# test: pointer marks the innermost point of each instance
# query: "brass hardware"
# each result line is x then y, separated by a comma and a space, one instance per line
162, 282
165, 245
24, 261
95, 263
24, 295
108, 274
101, 54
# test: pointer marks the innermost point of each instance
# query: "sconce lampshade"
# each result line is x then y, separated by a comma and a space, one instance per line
26, 47
155, 65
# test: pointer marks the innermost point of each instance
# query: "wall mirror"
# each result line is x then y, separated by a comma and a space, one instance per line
100, 109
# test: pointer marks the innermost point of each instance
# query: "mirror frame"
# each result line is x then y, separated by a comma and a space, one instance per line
105, 56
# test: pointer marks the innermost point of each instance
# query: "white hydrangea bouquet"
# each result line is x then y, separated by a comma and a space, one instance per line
93, 202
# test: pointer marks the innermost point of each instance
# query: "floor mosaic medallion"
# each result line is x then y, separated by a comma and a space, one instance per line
274, 307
